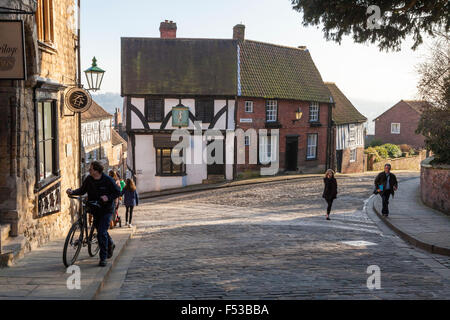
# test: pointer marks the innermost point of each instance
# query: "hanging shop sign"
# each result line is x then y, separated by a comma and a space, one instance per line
78, 99
180, 116
12, 50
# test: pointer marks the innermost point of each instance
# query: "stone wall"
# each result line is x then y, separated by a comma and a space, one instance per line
403, 163
53, 67
435, 185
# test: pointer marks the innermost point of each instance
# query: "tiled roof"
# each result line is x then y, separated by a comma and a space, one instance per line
417, 104
117, 139
95, 112
178, 66
273, 71
344, 111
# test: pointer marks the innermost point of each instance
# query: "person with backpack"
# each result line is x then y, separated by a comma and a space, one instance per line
130, 200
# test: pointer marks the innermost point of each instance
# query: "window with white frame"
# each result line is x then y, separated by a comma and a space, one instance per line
249, 106
267, 148
395, 128
311, 152
352, 155
271, 110
314, 112
247, 140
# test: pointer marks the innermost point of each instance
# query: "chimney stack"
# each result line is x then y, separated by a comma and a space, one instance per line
168, 30
239, 32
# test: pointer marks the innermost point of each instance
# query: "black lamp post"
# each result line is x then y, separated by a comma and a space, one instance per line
94, 76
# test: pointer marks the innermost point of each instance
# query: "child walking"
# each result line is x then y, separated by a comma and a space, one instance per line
130, 200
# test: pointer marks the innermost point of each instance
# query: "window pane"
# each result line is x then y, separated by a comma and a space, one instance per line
166, 152
48, 120
166, 163
48, 158
41, 133
41, 161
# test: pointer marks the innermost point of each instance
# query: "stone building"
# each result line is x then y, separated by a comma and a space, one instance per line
96, 126
39, 135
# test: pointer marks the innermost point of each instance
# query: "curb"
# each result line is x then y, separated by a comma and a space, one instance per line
410, 239
94, 288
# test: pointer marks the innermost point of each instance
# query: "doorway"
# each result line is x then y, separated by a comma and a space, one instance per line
339, 160
291, 153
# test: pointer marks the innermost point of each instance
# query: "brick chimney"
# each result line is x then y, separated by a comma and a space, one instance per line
168, 29
239, 32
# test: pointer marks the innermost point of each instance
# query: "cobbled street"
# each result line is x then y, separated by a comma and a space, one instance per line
271, 241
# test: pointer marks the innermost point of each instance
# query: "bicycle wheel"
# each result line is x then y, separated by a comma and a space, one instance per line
93, 242
73, 244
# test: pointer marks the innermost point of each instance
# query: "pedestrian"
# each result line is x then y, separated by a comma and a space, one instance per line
385, 185
114, 176
330, 190
130, 200
102, 188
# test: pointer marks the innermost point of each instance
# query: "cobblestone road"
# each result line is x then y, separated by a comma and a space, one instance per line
271, 241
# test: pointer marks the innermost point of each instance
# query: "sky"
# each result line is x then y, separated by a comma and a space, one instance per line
372, 80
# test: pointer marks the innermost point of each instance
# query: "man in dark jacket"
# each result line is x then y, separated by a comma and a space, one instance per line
386, 184
104, 189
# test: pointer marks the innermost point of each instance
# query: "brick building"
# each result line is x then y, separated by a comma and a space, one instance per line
247, 85
398, 124
348, 133
39, 143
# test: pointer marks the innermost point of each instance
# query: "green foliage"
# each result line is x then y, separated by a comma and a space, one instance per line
392, 150
376, 143
382, 152
434, 124
373, 152
399, 18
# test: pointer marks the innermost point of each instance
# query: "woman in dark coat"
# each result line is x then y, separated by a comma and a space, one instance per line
330, 190
130, 200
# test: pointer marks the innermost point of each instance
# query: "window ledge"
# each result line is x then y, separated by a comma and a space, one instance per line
273, 124
42, 185
170, 175
315, 124
47, 47
311, 159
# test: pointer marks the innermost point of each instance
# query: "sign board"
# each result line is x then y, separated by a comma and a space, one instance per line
77, 99
12, 50
180, 116
246, 120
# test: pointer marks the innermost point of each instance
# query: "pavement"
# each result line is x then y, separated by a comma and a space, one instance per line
41, 274
271, 241
415, 222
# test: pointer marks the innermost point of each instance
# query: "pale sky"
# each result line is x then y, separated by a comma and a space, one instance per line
372, 80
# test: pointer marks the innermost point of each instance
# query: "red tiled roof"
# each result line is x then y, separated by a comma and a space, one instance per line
95, 112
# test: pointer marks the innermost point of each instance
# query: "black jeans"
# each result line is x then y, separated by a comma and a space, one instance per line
101, 223
330, 203
385, 197
131, 213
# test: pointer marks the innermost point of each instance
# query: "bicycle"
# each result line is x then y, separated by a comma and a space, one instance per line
79, 234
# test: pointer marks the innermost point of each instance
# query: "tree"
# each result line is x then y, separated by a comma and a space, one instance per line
434, 87
398, 19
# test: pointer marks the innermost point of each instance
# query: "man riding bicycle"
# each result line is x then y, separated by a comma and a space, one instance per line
102, 188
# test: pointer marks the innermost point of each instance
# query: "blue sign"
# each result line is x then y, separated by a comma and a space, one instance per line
180, 116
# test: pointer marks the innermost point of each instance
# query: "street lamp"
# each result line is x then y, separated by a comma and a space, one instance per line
94, 76
298, 114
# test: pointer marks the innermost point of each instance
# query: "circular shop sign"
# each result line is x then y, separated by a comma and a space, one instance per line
78, 99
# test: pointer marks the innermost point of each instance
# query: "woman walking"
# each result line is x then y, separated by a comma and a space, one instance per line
130, 200
330, 190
